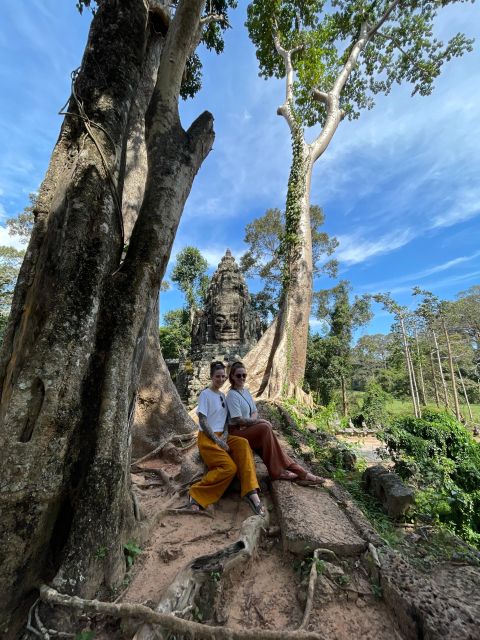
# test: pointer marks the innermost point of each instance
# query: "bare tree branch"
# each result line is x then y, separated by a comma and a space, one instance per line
213, 17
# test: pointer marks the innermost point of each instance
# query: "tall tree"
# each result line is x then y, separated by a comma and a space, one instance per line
262, 259
190, 274
335, 57
401, 315
342, 317
437, 309
10, 262
80, 316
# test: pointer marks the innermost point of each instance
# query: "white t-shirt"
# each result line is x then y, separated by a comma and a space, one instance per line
214, 407
240, 403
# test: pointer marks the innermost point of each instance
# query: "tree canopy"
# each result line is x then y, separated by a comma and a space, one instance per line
263, 260
395, 42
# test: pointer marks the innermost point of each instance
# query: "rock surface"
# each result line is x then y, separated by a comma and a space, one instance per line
310, 518
389, 489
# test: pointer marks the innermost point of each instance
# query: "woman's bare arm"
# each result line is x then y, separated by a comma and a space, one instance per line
207, 429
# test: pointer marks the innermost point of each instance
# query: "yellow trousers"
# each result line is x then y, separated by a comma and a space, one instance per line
222, 467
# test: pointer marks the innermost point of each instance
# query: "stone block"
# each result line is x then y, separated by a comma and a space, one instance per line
389, 489
309, 518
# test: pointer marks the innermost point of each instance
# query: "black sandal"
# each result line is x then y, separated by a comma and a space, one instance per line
189, 508
258, 509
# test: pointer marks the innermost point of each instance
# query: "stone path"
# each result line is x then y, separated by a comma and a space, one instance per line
310, 518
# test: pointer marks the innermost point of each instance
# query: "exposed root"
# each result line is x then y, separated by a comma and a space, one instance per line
187, 511
164, 449
167, 621
164, 477
40, 631
195, 586
374, 554
311, 590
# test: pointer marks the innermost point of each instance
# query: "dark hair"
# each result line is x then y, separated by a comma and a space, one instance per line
233, 368
214, 366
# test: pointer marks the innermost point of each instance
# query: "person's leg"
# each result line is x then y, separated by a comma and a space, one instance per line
221, 470
243, 457
262, 439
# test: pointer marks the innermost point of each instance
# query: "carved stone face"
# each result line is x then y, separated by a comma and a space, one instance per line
226, 325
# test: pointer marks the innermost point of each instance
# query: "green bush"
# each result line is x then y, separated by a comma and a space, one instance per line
439, 456
374, 409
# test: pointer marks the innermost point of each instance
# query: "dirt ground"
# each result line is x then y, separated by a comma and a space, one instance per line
270, 591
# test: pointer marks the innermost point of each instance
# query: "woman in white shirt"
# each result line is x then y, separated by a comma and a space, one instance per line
224, 455
244, 422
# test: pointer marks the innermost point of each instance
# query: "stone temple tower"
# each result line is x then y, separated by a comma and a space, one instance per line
225, 329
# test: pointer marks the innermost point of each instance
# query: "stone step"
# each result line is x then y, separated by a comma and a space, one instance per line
309, 518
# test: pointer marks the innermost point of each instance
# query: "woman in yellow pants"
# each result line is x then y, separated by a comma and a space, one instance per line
224, 455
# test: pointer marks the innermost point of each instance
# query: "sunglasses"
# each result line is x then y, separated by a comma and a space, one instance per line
240, 375
223, 403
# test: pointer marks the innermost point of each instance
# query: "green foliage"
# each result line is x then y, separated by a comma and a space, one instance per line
189, 273
131, 551
374, 409
211, 38
101, 553
329, 359
10, 263
22, 225
85, 635
175, 334
397, 46
369, 505
438, 455
263, 260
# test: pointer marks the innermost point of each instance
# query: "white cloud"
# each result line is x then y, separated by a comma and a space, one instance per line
465, 209
359, 247
10, 241
418, 277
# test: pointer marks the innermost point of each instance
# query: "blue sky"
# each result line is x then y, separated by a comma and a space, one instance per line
399, 187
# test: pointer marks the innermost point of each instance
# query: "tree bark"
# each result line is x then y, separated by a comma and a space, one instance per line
410, 370
344, 397
159, 412
420, 367
452, 371
434, 378
465, 395
442, 376
77, 333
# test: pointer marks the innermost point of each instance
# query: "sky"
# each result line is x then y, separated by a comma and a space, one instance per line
399, 187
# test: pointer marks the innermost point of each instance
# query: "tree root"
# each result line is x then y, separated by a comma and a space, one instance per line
189, 438
311, 590
40, 630
374, 554
167, 621
164, 477
197, 584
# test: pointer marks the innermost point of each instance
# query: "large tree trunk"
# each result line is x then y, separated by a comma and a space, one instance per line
285, 341
159, 412
77, 332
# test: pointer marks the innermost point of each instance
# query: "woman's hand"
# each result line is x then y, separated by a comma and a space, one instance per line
222, 444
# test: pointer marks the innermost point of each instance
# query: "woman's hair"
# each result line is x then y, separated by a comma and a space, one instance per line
214, 366
233, 368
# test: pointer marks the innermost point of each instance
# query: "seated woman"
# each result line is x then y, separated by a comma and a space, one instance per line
244, 422
224, 455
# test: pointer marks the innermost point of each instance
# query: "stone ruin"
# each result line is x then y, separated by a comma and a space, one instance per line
225, 329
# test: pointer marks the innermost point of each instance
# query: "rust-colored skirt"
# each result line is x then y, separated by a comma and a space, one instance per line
264, 442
